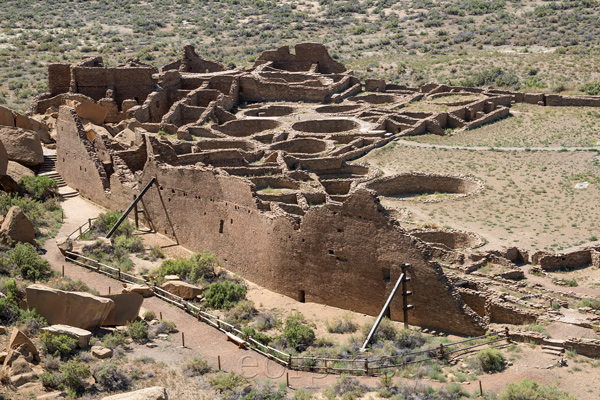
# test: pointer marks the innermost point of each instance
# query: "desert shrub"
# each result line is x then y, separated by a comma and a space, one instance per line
407, 338
241, 312
595, 304
224, 295
490, 359
113, 340
348, 387
196, 268
195, 367
227, 384
258, 336
156, 252
131, 244
72, 374
385, 331
149, 315
162, 327
105, 221
531, 390
138, 331
302, 394
266, 321
592, 89
75, 286
342, 324
492, 77
297, 333
58, 345
38, 187
110, 377
49, 380
25, 259
267, 390
51, 363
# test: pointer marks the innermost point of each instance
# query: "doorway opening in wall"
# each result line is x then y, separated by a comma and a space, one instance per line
388, 314
301, 296
386, 275
221, 226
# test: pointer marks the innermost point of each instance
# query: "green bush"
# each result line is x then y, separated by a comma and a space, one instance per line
297, 333
343, 324
199, 267
348, 387
110, 377
592, 89
531, 390
228, 384
138, 331
58, 345
385, 331
72, 375
258, 336
224, 295
38, 187
490, 359
149, 315
113, 340
195, 367
105, 221
25, 259
49, 380
241, 312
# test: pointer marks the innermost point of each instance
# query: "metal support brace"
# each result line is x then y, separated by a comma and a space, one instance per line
131, 206
382, 314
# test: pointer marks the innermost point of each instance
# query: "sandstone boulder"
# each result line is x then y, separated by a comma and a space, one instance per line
7, 184
18, 338
16, 171
83, 336
182, 289
19, 380
172, 278
151, 393
82, 246
3, 159
89, 110
127, 308
101, 352
22, 146
144, 290
17, 227
78, 309
7, 118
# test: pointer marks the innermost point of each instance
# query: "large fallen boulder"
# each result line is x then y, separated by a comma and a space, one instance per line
78, 309
81, 335
20, 346
151, 393
182, 289
22, 146
16, 227
88, 110
7, 117
3, 159
127, 308
17, 171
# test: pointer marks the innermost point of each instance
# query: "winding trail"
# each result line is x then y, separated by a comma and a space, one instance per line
410, 143
201, 340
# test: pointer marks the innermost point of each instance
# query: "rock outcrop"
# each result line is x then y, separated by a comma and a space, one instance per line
127, 308
78, 309
81, 335
22, 146
16, 227
3, 159
182, 289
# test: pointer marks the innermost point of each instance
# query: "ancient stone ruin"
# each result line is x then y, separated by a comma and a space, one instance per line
255, 166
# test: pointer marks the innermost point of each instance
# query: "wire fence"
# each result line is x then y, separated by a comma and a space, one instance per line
319, 364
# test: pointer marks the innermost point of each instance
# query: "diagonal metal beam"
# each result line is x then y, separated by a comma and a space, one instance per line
131, 206
382, 313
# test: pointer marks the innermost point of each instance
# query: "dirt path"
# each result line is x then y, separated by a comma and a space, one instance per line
201, 340
409, 143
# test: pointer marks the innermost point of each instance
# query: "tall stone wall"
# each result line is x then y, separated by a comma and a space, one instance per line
335, 254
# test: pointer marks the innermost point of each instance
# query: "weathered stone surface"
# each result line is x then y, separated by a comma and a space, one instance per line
127, 307
22, 146
144, 290
78, 309
81, 246
90, 111
59, 394
7, 184
83, 336
18, 338
182, 289
17, 227
151, 393
101, 352
16, 171
7, 117
19, 380
172, 278
3, 159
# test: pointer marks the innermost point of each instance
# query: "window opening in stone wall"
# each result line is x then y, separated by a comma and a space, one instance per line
301, 296
221, 226
386, 275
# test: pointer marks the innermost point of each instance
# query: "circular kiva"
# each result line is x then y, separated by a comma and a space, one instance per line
302, 146
425, 187
450, 238
270, 111
374, 98
326, 125
247, 127
338, 108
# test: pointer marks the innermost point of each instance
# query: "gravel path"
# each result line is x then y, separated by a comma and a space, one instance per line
410, 143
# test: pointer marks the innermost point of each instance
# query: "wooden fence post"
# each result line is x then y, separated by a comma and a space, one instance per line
219, 361
63, 270
182, 339
367, 367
